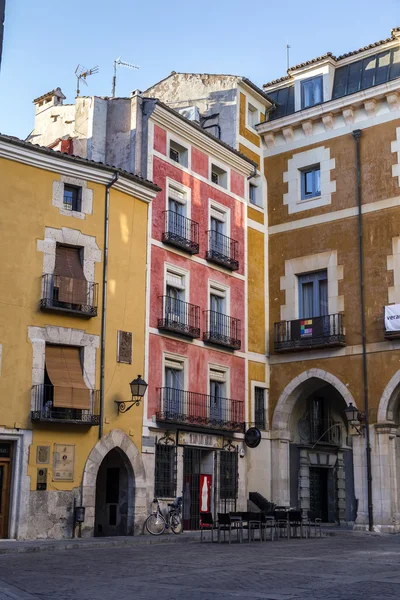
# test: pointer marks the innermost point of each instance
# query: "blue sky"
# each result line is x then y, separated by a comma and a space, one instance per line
44, 42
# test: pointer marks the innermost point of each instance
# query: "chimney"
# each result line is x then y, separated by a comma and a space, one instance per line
48, 100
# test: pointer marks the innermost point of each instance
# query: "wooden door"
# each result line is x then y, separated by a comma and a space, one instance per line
5, 478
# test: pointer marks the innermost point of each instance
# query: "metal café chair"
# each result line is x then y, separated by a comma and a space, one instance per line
282, 523
313, 522
295, 519
251, 522
226, 523
268, 522
207, 524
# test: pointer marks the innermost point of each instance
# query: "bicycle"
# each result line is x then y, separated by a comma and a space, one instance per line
157, 523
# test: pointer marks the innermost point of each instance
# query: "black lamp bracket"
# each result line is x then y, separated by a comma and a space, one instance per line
125, 405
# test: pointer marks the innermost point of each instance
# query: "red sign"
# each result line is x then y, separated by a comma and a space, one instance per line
205, 493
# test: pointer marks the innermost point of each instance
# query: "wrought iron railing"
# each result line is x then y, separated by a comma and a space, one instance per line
222, 330
181, 232
179, 317
43, 409
315, 332
201, 410
222, 250
65, 294
325, 431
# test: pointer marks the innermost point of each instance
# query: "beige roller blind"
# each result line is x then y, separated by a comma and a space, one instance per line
64, 370
69, 277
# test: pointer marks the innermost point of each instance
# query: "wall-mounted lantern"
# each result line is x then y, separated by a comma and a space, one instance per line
138, 389
355, 418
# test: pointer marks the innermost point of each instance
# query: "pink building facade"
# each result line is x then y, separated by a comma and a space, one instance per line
196, 400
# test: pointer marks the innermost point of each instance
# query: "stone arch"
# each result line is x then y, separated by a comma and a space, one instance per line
115, 439
388, 400
295, 388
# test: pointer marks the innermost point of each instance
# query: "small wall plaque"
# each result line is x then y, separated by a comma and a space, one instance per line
41, 479
43, 455
124, 347
63, 462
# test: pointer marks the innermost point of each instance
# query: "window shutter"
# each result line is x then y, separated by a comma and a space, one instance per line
64, 369
216, 375
176, 281
69, 277
170, 363
175, 194
217, 214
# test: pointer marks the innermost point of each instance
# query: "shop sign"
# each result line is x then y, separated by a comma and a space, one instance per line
204, 440
63, 462
392, 317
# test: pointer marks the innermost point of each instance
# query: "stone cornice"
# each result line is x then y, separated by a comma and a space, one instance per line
169, 121
51, 161
328, 112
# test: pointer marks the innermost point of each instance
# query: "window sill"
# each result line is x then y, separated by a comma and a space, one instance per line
256, 207
304, 200
72, 213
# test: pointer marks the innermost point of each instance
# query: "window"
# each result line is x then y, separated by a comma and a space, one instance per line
69, 283
175, 297
252, 115
219, 176
311, 92
284, 102
72, 198
310, 182
218, 239
178, 153
218, 311
165, 471
259, 407
313, 294
177, 224
174, 387
252, 193
218, 402
228, 475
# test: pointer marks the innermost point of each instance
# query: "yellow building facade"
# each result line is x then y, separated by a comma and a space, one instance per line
63, 442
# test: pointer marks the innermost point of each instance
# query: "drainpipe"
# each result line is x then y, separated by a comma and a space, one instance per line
104, 298
357, 136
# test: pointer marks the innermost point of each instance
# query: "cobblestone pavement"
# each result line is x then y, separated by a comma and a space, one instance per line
353, 567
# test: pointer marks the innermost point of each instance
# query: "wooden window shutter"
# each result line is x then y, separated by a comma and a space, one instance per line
69, 277
65, 373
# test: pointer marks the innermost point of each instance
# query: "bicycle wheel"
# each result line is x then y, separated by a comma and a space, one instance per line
176, 524
155, 524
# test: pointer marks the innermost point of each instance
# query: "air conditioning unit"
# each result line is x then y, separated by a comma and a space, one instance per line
190, 112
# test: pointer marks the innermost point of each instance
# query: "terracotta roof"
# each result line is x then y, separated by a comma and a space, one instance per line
71, 157
335, 58
56, 92
197, 126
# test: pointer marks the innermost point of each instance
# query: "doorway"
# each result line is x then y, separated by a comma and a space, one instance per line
5, 486
114, 496
322, 494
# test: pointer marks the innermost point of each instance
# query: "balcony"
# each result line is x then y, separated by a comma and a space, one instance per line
181, 232
45, 412
325, 431
303, 334
222, 330
222, 250
200, 410
179, 317
69, 296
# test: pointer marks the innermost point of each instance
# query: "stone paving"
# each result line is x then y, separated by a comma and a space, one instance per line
345, 567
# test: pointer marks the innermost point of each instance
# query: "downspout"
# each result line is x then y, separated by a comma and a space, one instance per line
357, 136
104, 298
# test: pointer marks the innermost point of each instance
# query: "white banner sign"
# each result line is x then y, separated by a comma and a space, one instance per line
392, 317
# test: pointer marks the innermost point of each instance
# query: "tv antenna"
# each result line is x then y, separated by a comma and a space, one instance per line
120, 63
288, 56
81, 74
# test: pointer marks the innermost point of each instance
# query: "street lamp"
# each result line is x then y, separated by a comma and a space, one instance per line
138, 389
355, 418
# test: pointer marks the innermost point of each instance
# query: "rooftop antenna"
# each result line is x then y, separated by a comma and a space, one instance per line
288, 56
81, 74
120, 63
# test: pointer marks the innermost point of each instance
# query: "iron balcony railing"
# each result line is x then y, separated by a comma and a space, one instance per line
325, 431
44, 411
315, 332
200, 410
222, 330
179, 317
222, 250
181, 232
68, 295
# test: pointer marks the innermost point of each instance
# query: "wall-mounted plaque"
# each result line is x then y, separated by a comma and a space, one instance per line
41, 484
63, 462
124, 349
43, 455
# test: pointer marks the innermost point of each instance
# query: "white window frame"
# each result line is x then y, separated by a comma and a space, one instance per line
179, 272
257, 183
253, 110
182, 362
180, 142
226, 173
227, 380
222, 290
183, 189
225, 215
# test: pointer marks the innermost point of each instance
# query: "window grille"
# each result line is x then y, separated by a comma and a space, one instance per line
165, 471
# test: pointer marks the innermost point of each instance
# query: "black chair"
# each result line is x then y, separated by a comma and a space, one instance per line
207, 524
295, 522
281, 522
313, 521
251, 522
226, 523
268, 522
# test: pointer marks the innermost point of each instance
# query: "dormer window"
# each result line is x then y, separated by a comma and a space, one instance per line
311, 92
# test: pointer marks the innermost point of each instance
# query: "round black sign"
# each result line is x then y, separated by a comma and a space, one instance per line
252, 437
